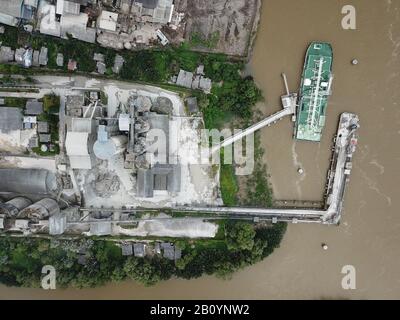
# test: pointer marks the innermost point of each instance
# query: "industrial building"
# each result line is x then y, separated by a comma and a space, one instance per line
119, 24
10, 119
13, 12
28, 181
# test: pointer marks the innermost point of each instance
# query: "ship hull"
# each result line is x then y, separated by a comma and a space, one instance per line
314, 92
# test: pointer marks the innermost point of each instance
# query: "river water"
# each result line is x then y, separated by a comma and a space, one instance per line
369, 235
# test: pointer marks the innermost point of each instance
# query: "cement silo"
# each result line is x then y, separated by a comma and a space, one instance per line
27, 181
40, 210
106, 147
12, 207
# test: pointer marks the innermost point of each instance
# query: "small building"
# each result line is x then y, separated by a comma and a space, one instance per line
94, 95
29, 122
35, 58
161, 36
49, 24
101, 228
76, 26
68, 7
1, 221
127, 249
33, 142
43, 59
19, 55
196, 82
155, 11
185, 79
24, 57
6, 54
157, 248
57, 223
60, 60
205, 84
200, 70
192, 105
118, 63
139, 250
11, 12
107, 20
33, 107
101, 67
42, 127
44, 138
168, 250
98, 57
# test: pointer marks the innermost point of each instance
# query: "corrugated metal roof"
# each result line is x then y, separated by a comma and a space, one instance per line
108, 20
80, 162
76, 143
10, 119
27, 181
149, 4
34, 107
12, 8
101, 228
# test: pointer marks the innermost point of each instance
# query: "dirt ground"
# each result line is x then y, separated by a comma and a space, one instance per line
232, 20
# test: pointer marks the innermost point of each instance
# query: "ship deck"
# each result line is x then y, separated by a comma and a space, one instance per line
314, 92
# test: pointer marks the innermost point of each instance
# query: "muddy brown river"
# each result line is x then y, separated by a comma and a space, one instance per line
369, 235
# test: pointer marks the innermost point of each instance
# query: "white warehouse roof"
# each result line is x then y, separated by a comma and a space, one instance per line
108, 20
76, 144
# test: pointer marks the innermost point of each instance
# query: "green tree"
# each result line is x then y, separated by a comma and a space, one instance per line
240, 236
142, 271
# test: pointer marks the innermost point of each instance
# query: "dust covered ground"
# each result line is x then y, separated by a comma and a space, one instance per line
230, 21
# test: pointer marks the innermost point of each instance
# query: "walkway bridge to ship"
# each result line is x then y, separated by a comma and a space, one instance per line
289, 103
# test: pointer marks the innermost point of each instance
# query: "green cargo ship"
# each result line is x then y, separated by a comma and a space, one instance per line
314, 92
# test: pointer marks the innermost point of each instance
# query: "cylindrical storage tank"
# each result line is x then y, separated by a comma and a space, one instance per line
142, 104
40, 210
12, 207
105, 150
163, 105
27, 181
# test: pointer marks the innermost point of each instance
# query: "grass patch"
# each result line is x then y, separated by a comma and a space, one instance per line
51, 103
258, 188
15, 102
198, 40
229, 186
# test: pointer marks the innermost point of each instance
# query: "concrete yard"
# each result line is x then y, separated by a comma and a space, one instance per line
185, 227
25, 162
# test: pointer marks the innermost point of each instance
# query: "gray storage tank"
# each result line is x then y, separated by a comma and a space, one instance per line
40, 210
27, 181
12, 207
